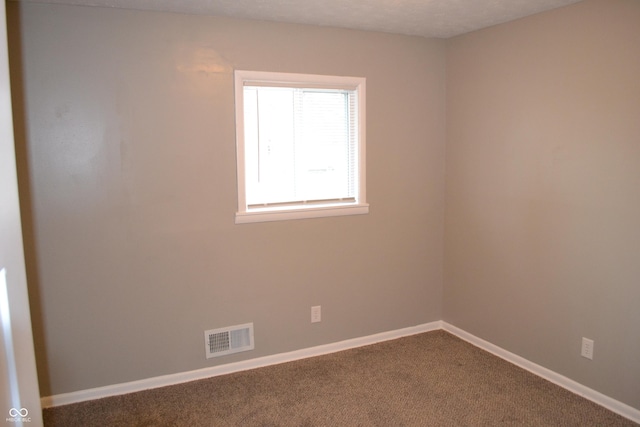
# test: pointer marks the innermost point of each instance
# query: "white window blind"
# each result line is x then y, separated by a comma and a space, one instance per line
300, 145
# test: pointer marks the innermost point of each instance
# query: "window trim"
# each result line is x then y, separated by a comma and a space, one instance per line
245, 214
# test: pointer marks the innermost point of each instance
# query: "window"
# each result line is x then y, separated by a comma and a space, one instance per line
300, 146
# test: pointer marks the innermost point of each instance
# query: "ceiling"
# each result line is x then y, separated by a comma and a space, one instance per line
427, 18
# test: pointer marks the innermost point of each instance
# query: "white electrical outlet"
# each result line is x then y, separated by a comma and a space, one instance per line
316, 314
587, 348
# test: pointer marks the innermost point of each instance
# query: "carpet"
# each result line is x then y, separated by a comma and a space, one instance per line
429, 379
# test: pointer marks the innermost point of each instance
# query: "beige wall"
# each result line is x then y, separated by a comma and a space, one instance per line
128, 178
126, 154
542, 234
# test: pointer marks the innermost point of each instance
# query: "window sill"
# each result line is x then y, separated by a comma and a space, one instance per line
275, 214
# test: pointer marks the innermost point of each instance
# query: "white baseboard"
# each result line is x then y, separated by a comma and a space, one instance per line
613, 405
183, 377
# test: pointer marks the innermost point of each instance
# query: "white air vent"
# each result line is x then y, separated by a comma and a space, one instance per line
223, 341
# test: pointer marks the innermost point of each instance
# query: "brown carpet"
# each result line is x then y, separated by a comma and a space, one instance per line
430, 379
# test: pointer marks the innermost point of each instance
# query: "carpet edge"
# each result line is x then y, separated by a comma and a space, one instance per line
198, 374
603, 400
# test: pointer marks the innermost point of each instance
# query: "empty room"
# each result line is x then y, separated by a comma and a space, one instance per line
298, 202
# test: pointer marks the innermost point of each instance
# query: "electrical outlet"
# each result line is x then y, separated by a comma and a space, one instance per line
587, 348
316, 314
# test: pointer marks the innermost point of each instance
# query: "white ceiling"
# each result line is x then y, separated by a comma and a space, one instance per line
427, 18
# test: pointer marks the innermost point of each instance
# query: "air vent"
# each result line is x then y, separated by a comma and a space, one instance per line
223, 341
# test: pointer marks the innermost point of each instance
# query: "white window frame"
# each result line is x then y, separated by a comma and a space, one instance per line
246, 214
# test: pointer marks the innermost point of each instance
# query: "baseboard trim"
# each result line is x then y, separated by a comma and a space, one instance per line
613, 405
183, 377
